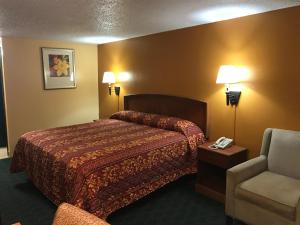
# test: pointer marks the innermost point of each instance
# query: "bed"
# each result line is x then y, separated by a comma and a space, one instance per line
107, 164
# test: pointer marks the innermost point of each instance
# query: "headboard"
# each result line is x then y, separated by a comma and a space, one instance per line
184, 108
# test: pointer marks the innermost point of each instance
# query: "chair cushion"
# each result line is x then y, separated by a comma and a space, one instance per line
274, 192
284, 153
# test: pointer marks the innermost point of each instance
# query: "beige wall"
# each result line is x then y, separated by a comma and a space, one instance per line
29, 106
185, 63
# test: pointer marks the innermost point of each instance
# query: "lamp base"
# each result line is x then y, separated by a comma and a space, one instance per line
233, 97
117, 90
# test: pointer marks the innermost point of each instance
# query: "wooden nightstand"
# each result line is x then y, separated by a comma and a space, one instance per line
212, 166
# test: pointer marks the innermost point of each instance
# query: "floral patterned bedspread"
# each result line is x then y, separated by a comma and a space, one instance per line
108, 164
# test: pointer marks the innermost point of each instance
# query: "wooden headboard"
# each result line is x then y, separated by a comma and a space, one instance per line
185, 108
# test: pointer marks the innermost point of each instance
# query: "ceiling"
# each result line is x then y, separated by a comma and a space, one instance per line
100, 21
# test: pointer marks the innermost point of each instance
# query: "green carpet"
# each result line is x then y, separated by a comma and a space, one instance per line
175, 204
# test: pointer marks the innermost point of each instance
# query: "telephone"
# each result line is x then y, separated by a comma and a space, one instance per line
222, 143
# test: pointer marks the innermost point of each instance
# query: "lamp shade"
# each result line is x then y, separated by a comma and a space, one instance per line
108, 78
229, 74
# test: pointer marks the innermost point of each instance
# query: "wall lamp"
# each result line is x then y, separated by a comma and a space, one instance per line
109, 78
229, 74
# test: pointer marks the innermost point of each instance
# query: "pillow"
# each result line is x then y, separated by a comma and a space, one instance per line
192, 132
130, 116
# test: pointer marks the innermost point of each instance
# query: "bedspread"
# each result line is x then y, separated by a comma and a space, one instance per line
105, 165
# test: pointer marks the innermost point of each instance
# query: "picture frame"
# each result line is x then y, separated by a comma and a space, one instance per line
58, 68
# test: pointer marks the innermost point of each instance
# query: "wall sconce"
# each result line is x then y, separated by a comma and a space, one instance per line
109, 78
229, 74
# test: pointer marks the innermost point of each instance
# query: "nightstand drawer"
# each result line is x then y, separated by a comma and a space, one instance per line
221, 160
213, 158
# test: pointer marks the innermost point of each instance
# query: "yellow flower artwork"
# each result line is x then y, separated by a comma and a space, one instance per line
59, 68
59, 65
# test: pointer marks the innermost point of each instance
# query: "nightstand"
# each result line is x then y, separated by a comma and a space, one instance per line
212, 166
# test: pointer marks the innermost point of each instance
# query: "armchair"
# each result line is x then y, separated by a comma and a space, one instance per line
266, 190
67, 214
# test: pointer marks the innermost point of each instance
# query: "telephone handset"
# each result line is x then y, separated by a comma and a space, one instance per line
222, 143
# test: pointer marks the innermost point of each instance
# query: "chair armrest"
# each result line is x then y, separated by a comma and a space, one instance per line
298, 213
240, 173
67, 214
246, 170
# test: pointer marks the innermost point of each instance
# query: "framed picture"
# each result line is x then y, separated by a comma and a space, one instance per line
59, 68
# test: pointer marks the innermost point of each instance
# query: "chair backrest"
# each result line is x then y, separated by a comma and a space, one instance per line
283, 150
